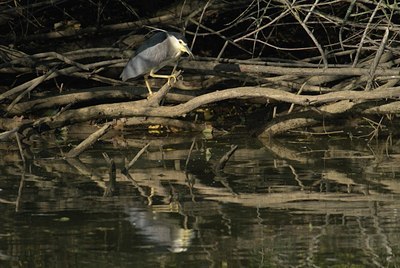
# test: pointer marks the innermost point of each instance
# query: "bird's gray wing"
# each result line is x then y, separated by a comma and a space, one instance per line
155, 39
153, 57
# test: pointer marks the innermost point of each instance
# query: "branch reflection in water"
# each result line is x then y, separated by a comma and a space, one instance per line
281, 202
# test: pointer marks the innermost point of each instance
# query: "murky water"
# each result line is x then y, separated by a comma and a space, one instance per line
304, 203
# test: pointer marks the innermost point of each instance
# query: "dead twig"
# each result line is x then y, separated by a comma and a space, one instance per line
366, 29
21, 152
88, 142
20, 188
112, 174
308, 31
132, 162
30, 88
7, 134
225, 158
190, 152
377, 59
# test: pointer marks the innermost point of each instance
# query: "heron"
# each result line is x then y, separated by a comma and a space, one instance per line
153, 54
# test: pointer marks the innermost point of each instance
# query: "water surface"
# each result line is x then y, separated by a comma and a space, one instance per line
284, 203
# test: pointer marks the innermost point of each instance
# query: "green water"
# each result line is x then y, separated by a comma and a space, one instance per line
287, 203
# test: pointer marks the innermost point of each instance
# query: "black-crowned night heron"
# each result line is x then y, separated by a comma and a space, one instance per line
156, 52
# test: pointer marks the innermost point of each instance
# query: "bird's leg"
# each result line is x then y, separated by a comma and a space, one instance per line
173, 75
146, 81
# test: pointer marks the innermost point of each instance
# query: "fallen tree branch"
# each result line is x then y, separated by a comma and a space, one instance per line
88, 142
65, 71
141, 107
389, 108
104, 29
14, 123
97, 94
266, 69
168, 16
90, 95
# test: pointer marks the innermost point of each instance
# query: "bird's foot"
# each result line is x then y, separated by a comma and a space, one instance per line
174, 77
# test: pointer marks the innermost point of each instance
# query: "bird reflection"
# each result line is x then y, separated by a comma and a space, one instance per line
161, 229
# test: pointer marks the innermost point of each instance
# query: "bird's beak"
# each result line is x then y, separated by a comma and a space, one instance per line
186, 49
